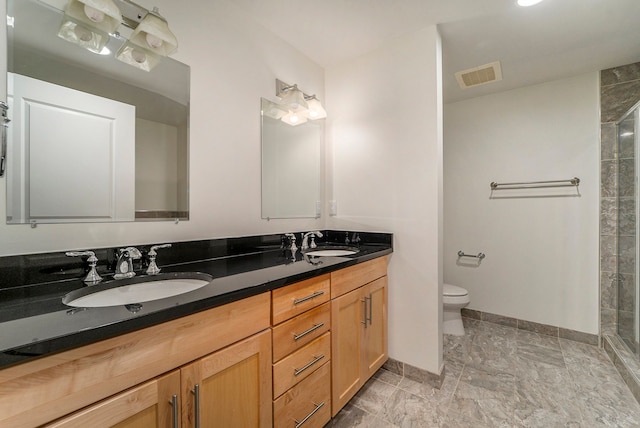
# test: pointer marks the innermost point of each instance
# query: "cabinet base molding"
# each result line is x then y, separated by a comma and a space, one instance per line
415, 373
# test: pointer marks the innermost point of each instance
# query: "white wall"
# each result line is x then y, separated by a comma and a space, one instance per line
156, 174
233, 63
541, 260
386, 145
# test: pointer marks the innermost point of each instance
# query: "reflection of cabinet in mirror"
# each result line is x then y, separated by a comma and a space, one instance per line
71, 155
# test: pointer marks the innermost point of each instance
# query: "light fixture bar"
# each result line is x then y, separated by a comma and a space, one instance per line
282, 88
132, 13
308, 105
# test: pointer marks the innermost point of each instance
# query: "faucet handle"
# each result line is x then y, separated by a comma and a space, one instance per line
153, 268
92, 277
152, 251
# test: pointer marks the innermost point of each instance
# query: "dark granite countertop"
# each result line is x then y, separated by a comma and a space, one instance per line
34, 321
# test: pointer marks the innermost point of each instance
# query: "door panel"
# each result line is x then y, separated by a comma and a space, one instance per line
346, 324
375, 335
234, 385
72, 155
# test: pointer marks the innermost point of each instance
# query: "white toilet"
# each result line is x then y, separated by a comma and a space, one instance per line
454, 298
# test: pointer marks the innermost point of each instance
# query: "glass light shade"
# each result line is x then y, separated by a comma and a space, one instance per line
101, 15
315, 110
294, 100
294, 118
138, 57
82, 34
273, 110
154, 35
88, 23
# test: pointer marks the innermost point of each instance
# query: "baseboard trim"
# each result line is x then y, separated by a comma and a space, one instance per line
414, 373
547, 330
625, 362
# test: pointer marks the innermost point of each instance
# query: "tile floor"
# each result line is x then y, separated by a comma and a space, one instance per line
499, 376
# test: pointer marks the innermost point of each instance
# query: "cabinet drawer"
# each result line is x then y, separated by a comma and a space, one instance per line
297, 332
309, 401
302, 363
294, 299
348, 279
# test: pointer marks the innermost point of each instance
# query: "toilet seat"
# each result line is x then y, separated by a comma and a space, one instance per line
453, 290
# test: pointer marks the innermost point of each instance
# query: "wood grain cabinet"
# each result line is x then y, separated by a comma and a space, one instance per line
301, 321
291, 357
153, 404
359, 331
130, 379
231, 387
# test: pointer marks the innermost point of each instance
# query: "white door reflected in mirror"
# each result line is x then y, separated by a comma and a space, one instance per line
72, 155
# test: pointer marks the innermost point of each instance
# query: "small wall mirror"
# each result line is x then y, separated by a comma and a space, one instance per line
91, 139
290, 166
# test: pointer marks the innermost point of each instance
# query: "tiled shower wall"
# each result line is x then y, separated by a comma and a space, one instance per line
619, 91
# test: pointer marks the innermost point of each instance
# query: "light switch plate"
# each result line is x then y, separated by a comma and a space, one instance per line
333, 207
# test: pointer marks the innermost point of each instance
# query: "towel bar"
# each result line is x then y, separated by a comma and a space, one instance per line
575, 181
477, 256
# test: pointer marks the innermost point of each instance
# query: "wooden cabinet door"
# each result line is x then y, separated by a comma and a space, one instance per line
359, 339
145, 406
231, 387
374, 349
347, 318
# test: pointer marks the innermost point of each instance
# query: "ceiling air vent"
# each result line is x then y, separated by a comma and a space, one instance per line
479, 75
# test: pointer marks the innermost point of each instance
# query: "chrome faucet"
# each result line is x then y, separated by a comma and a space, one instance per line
153, 268
292, 241
92, 277
124, 265
305, 240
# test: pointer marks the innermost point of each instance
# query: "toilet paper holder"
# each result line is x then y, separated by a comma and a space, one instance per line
475, 256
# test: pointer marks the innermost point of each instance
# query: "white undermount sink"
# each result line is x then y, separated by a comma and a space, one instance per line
136, 290
332, 251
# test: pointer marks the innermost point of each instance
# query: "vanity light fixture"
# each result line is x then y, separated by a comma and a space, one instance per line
88, 23
301, 107
315, 110
150, 41
273, 110
294, 99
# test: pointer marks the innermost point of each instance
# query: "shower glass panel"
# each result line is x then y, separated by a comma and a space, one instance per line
627, 277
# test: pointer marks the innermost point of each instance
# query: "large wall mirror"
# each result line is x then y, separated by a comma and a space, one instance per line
91, 139
290, 166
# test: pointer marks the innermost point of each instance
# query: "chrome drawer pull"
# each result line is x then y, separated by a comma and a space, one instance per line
306, 418
196, 392
296, 372
311, 330
309, 297
174, 410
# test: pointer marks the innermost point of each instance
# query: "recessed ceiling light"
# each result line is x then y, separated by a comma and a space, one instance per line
526, 3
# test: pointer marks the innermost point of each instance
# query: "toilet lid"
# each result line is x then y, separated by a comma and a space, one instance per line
453, 290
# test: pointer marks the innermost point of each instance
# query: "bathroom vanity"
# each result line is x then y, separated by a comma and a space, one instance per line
266, 345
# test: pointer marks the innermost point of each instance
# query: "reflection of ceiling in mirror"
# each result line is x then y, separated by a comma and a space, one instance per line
36, 28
